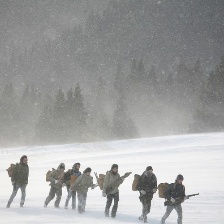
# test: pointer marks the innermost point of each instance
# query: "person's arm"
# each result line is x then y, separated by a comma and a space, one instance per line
105, 183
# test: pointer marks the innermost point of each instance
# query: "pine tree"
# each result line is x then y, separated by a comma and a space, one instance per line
123, 126
80, 114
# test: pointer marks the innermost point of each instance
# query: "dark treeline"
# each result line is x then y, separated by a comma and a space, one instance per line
141, 103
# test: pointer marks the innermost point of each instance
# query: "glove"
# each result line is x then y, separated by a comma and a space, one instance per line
64, 184
186, 197
13, 182
154, 190
93, 186
104, 194
172, 200
142, 192
56, 181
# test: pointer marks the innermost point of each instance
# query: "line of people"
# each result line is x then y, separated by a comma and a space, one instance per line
78, 183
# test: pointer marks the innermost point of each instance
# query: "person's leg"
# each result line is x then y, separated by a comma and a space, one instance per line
68, 198
84, 202
73, 199
23, 195
108, 204
50, 196
14, 192
58, 197
115, 206
179, 214
81, 202
169, 209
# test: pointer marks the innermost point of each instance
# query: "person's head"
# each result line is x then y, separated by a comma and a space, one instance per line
62, 166
114, 168
24, 159
149, 169
179, 178
76, 166
87, 171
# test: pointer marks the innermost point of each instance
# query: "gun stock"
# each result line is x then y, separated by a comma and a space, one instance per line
178, 201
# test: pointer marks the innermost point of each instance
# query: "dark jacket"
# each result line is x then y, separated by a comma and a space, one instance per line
147, 182
176, 191
69, 173
20, 174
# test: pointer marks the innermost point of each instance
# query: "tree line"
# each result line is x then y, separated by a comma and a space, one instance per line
142, 102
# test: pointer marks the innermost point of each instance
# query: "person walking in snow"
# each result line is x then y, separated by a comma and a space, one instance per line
175, 195
56, 177
147, 187
81, 185
111, 184
70, 176
19, 179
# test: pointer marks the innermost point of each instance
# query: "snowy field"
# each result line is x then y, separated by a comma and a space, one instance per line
200, 158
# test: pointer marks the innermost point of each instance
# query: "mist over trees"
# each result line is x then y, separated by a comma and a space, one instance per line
121, 69
139, 104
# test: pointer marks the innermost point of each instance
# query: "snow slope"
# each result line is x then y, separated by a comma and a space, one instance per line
200, 158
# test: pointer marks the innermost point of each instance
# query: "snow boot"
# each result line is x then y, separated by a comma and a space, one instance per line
21, 204
8, 205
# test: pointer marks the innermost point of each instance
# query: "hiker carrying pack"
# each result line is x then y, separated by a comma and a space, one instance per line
147, 187
56, 178
19, 174
70, 176
112, 181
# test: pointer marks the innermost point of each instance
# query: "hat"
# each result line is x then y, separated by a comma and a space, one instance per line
114, 166
87, 170
74, 166
180, 177
149, 168
23, 157
62, 166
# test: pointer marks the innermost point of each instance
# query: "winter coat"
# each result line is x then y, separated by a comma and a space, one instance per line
20, 174
148, 182
57, 174
113, 182
176, 191
70, 175
82, 183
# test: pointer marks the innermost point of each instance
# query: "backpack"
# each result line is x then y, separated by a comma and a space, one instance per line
161, 189
48, 174
135, 182
11, 169
101, 180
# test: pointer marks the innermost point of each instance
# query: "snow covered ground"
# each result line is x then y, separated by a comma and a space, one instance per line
200, 158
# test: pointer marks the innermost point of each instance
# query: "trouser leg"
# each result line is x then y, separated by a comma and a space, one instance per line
169, 209
73, 199
14, 192
23, 194
51, 195
108, 204
179, 214
58, 197
81, 202
68, 198
115, 206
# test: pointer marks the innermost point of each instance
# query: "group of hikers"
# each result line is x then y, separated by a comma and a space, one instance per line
78, 183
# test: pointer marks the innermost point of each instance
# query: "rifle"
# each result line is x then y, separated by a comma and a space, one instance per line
179, 200
117, 182
97, 179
